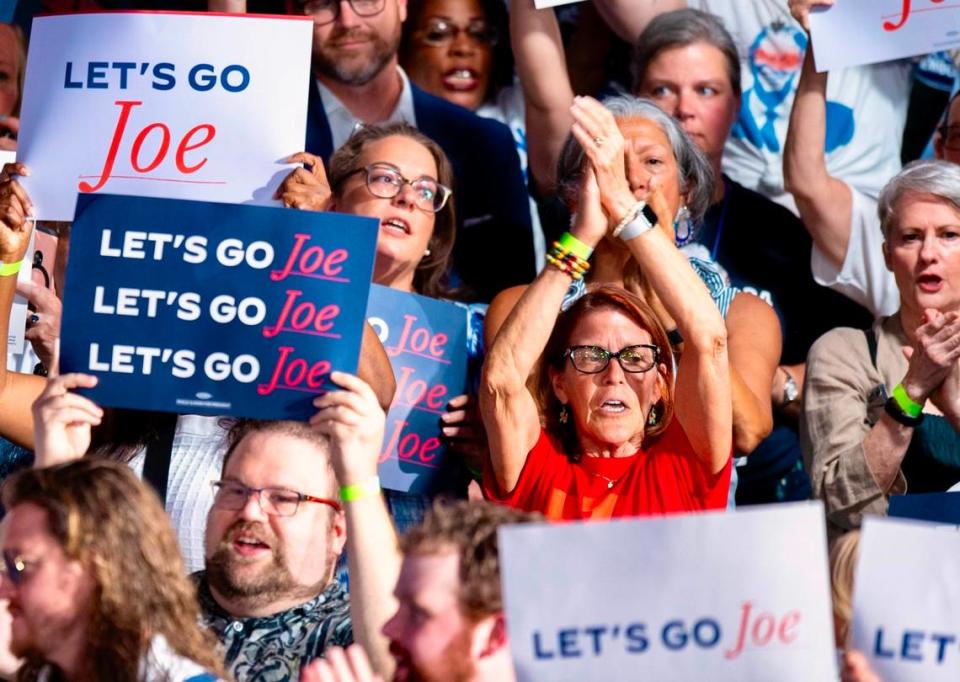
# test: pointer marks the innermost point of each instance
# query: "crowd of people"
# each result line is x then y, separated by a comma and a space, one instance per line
698, 274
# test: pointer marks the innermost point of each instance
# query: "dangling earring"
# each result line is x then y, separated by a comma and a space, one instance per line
426, 252
652, 418
683, 227
564, 414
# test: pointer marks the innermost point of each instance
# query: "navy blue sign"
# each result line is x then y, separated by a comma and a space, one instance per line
936, 507
426, 341
209, 308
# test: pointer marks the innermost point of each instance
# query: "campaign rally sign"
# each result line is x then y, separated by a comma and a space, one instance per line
162, 105
426, 341
937, 507
906, 600
869, 31
722, 596
218, 309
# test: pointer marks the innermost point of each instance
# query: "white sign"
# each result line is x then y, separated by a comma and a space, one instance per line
188, 106
724, 596
906, 602
856, 32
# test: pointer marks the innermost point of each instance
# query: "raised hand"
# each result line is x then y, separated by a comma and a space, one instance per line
15, 208
63, 421
355, 422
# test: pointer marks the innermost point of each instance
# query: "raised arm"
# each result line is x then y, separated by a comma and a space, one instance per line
509, 411
703, 398
754, 340
17, 391
628, 18
547, 94
825, 202
355, 423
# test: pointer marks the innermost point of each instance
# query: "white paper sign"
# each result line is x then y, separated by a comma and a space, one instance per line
725, 596
906, 602
856, 32
188, 106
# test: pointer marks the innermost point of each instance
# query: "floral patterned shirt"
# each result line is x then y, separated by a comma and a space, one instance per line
273, 648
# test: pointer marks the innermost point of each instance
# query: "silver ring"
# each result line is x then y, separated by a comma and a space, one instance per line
597, 140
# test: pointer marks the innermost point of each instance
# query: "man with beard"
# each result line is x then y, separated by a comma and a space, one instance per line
279, 522
450, 625
358, 80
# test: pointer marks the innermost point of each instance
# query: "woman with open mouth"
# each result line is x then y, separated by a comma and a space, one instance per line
624, 434
882, 408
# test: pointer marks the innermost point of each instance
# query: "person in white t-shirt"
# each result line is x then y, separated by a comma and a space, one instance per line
866, 108
842, 218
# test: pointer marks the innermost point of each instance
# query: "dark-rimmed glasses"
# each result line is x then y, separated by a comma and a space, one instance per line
950, 137
441, 32
327, 11
233, 496
385, 181
638, 358
16, 568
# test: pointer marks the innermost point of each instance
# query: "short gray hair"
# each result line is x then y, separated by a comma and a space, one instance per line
933, 177
693, 170
680, 28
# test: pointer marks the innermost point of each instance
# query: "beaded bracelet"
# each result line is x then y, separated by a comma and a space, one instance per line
567, 262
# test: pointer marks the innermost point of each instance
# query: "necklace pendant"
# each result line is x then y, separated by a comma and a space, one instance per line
610, 485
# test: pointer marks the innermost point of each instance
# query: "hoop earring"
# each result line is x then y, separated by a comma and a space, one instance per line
683, 227
564, 414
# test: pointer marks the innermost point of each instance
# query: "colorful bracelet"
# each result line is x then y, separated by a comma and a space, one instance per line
567, 262
908, 405
573, 245
358, 491
7, 269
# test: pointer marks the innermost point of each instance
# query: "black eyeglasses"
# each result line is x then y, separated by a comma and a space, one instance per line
441, 32
17, 568
233, 496
950, 137
327, 11
594, 359
385, 181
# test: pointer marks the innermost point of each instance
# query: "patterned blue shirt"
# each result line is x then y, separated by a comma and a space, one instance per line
273, 648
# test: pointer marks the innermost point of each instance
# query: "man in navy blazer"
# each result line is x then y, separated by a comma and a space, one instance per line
358, 79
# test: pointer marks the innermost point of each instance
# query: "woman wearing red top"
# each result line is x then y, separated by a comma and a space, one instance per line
611, 446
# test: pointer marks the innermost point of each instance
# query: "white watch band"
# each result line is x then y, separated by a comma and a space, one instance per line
636, 227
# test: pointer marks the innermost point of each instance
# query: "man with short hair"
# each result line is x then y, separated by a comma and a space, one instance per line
359, 80
292, 495
450, 625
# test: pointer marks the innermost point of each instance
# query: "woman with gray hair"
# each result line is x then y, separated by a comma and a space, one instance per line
881, 413
658, 152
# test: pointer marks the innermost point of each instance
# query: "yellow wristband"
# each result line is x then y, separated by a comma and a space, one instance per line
908, 405
571, 244
7, 269
369, 488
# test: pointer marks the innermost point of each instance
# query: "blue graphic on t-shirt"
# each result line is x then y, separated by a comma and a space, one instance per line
774, 59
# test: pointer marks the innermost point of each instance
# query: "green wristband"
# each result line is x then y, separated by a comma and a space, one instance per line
369, 488
906, 403
7, 269
575, 246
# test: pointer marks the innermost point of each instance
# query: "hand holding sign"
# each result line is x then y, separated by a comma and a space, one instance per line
305, 188
15, 207
63, 420
353, 419
800, 9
